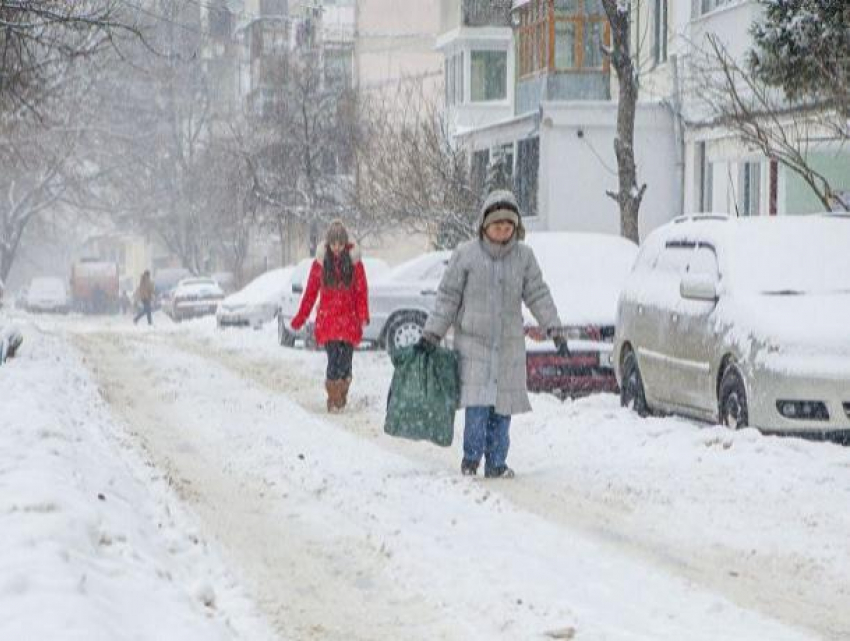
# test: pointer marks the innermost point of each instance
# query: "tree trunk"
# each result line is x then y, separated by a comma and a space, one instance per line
629, 196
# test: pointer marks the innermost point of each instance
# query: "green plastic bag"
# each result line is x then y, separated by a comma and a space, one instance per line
424, 395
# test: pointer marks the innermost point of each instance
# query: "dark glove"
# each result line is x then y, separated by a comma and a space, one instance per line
428, 343
562, 346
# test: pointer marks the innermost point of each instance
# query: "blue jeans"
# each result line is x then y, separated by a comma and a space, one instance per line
488, 434
145, 311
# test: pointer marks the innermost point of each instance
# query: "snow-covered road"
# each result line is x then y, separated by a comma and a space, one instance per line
615, 528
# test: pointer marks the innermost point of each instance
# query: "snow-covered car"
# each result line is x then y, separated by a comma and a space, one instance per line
47, 295
585, 273
375, 270
400, 302
256, 303
742, 322
195, 297
164, 281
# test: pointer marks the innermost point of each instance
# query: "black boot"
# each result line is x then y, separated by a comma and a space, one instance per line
498, 472
468, 468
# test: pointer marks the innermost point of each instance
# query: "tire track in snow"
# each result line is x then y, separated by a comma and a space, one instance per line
311, 582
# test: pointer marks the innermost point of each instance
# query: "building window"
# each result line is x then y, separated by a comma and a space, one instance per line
707, 6
705, 178
773, 200
273, 7
488, 75
660, 32
562, 36
221, 22
339, 68
454, 80
478, 172
526, 178
750, 189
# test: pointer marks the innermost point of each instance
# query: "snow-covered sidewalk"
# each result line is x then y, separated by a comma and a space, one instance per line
95, 544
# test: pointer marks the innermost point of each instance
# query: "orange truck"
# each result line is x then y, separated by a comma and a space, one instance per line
94, 287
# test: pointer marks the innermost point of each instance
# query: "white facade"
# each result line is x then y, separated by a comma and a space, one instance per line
577, 165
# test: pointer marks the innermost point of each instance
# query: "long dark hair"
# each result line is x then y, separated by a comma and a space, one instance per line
337, 272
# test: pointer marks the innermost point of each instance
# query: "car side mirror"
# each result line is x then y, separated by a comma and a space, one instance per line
698, 287
296, 288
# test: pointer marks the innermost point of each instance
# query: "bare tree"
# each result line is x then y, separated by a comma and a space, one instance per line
40, 40
411, 174
48, 56
630, 195
765, 119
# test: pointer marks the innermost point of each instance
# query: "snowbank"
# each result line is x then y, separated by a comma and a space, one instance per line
95, 544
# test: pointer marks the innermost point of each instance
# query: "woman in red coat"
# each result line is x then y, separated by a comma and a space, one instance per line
338, 279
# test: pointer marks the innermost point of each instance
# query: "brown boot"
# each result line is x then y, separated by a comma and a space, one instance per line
343, 392
336, 394
331, 389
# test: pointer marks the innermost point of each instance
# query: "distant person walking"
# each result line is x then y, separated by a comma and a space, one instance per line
482, 292
144, 295
338, 279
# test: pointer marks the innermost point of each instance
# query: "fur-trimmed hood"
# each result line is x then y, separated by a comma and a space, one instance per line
496, 199
353, 250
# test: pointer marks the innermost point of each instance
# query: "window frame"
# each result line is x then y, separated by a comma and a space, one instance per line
536, 34
487, 52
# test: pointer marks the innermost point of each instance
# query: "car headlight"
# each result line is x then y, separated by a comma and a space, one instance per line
803, 410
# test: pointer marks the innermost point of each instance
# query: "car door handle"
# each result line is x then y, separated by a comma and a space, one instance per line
428, 292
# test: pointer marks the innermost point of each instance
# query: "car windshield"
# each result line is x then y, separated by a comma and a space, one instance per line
801, 256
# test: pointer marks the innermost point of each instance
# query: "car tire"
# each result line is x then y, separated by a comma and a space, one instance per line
632, 393
732, 399
284, 336
404, 330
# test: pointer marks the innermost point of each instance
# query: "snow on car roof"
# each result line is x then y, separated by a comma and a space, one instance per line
46, 285
415, 268
267, 287
585, 273
773, 253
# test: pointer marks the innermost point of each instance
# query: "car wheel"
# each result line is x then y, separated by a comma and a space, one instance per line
734, 411
284, 336
404, 330
632, 394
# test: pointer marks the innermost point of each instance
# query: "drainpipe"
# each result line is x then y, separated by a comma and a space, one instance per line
678, 132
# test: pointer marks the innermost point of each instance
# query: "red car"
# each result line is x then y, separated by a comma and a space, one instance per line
585, 272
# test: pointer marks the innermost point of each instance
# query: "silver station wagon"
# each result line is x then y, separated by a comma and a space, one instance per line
743, 321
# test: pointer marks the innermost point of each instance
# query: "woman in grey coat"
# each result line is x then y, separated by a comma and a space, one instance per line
481, 294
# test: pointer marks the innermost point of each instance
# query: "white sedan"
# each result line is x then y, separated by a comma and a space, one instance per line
195, 297
256, 303
47, 295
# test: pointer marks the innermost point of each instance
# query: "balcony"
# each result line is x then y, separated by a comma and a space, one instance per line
455, 14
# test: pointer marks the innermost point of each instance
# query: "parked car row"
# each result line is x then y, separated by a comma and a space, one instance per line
737, 321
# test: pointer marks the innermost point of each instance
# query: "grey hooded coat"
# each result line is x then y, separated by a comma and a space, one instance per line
481, 294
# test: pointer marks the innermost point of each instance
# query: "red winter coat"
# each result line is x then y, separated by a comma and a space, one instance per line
342, 310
